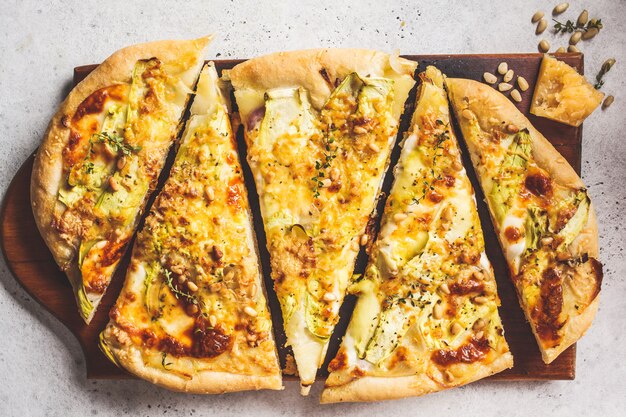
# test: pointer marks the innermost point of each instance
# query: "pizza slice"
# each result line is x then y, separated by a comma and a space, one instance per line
541, 213
192, 315
319, 127
102, 155
426, 316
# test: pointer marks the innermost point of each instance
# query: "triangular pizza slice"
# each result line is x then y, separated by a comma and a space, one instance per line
102, 155
426, 316
541, 213
319, 127
192, 315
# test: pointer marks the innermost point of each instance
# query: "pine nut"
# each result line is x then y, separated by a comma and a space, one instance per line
479, 324
447, 375
330, 296
374, 147
364, 239
480, 335
209, 192
515, 95
467, 114
326, 182
537, 16
503, 68
359, 130
182, 279
541, 27
572, 48
582, 18
522, 83
490, 78
121, 162
115, 186
561, 50
334, 174
504, 86
590, 34
511, 128
544, 46
212, 320
438, 311
545, 241
607, 65
560, 8
398, 217
480, 300
456, 328
250, 311
192, 286
607, 102
575, 38
191, 309
444, 288
508, 76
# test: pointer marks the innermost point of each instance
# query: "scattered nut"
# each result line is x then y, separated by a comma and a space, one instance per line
582, 18
115, 186
359, 130
537, 16
437, 311
215, 287
480, 300
192, 286
561, 50
182, 279
607, 65
607, 102
575, 38
329, 296
191, 309
545, 241
560, 8
479, 324
504, 86
572, 48
590, 33
511, 128
508, 76
250, 311
541, 26
209, 192
522, 83
544, 46
480, 335
490, 78
398, 217
444, 288
515, 95
364, 239
121, 162
334, 174
212, 320
326, 182
467, 114
374, 147
503, 68
456, 328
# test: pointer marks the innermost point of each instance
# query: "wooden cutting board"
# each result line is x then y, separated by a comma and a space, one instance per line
32, 265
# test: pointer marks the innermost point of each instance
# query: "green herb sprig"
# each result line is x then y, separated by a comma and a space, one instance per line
322, 166
116, 142
571, 26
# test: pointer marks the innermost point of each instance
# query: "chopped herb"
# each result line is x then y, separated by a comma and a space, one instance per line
570, 26
89, 167
116, 142
163, 358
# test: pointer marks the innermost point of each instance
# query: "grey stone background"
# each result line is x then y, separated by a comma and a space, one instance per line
42, 370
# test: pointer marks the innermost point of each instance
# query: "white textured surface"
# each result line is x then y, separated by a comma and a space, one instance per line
42, 369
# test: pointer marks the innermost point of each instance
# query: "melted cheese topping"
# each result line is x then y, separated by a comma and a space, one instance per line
119, 139
318, 174
193, 298
429, 288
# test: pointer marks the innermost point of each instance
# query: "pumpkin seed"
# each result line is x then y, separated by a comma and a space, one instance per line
537, 16
575, 38
608, 64
522, 83
503, 68
541, 26
561, 50
515, 95
560, 8
504, 86
572, 48
607, 102
582, 18
508, 76
544, 46
490, 78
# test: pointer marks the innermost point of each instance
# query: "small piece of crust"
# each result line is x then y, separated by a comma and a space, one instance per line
371, 388
492, 110
48, 166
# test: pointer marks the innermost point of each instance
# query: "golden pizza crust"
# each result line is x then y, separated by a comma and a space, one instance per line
316, 70
130, 358
492, 110
372, 388
48, 166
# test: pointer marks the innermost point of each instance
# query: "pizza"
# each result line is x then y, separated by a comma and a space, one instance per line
192, 315
541, 212
319, 127
426, 316
101, 157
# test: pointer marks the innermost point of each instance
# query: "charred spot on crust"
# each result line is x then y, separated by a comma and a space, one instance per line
470, 352
339, 362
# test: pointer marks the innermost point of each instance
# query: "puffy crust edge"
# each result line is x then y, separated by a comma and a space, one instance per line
372, 388
203, 382
303, 69
487, 105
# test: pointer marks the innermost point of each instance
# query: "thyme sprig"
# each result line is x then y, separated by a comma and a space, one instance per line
163, 358
321, 166
571, 26
116, 142
169, 281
